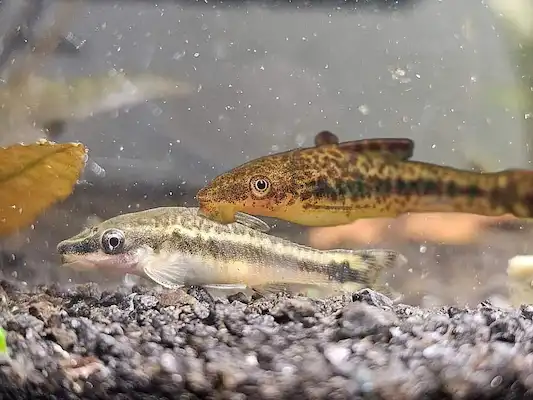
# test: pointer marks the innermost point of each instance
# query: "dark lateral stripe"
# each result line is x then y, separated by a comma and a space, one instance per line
228, 251
359, 188
342, 273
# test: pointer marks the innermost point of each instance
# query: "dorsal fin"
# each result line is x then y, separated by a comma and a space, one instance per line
325, 137
401, 148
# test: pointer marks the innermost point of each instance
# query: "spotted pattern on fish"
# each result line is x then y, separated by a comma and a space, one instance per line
336, 183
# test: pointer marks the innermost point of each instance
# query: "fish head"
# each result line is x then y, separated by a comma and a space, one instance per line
117, 244
261, 187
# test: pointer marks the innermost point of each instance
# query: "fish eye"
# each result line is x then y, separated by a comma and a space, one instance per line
260, 186
112, 241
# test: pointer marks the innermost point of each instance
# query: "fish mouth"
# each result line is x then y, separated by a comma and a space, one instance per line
78, 262
204, 205
201, 194
223, 214
203, 197
203, 212
84, 262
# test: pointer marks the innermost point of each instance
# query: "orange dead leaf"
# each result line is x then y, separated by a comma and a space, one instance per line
35, 176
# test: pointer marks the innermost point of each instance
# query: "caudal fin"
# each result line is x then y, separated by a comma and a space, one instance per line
362, 268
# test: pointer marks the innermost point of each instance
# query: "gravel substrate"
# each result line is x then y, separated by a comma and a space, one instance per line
141, 343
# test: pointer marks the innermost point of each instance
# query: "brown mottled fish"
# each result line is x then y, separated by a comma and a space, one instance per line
336, 183
176, 247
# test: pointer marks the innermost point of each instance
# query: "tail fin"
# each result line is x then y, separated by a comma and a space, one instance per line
362, 268
429, 188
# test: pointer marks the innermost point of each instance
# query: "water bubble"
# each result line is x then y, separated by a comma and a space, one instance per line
157, 111
178, 55
364, 109
300, 140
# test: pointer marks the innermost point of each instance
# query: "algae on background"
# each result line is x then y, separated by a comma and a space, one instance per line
3, 342
517, 16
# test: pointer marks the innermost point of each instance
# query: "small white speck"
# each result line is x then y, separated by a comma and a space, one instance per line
178, 55
497, 381
287, 370
300, 140
336, 354
157, 111
363, 109
251, 359
400, 72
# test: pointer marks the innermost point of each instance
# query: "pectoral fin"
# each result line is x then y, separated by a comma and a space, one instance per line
168, 276
251, 222
174, 271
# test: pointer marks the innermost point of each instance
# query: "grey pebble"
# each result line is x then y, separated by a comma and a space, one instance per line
135, 343
21, 323
144, 302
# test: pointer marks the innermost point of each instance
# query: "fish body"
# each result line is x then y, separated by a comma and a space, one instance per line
176, 247
35, 105
336, 183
